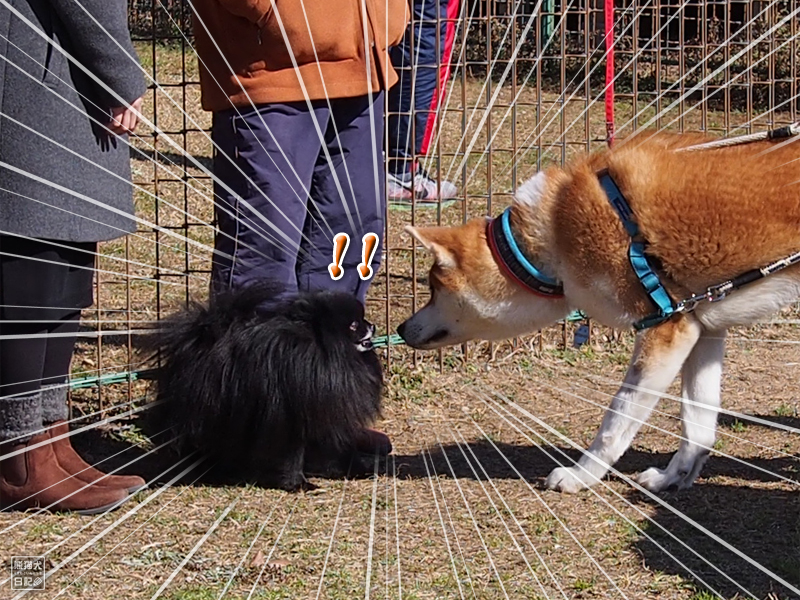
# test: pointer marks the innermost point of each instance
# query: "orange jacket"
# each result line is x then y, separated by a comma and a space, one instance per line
242, 45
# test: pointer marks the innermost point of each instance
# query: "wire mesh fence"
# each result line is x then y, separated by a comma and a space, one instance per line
526, 89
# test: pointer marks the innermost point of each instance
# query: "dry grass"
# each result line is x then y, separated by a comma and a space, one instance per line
459, 509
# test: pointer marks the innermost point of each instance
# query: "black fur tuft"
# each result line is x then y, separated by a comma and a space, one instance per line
259, 389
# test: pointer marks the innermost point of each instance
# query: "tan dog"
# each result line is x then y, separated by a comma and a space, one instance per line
708, 217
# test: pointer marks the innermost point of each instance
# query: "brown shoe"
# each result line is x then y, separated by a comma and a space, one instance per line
71, 462
372, 441
34, 479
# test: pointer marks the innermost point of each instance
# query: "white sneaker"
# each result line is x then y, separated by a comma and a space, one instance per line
422, 187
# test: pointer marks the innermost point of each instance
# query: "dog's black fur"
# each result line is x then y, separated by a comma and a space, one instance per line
265, 391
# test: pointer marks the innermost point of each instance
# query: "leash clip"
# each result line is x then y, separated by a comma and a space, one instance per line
719, 292
689, 304
713, 294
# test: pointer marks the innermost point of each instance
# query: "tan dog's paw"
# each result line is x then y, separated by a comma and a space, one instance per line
567, 480
658, 480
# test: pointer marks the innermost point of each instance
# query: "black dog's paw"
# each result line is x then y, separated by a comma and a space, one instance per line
356, 467
337, 465
307, 486
303, 486
296, 482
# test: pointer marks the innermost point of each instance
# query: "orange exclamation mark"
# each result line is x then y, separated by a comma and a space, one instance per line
340, 243
369, 246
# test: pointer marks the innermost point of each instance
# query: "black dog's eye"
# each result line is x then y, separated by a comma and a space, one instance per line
354, 326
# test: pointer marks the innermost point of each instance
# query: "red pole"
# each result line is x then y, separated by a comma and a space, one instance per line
608, 19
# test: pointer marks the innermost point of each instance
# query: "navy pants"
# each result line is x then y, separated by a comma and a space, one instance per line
422, 63
280, 223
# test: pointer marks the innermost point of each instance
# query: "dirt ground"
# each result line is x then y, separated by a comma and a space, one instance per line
459, 509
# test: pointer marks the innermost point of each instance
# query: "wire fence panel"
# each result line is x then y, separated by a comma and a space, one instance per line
526, 89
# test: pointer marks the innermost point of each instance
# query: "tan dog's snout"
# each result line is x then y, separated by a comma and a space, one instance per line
417, 334
401, 329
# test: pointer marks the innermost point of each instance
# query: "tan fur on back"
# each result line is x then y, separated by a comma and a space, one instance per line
708, 215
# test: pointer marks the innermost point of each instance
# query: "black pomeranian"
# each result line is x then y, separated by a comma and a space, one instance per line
270, 393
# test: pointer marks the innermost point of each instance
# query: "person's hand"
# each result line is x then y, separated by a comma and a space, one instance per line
124, 119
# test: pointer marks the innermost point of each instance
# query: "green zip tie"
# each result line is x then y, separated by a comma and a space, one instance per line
382, 341
575, 315
77, 383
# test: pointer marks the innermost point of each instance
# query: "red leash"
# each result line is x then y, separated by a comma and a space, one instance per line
608, 19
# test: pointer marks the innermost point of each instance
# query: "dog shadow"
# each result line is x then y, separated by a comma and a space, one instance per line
534, 464
761, 523
757, 528
788, 421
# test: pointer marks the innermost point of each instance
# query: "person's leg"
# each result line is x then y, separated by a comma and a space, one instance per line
60, 346
448, 10
54, 391
362, 153
23, 287
21, 359
22, 351
423, 63
30, 474
416, 62
266, 159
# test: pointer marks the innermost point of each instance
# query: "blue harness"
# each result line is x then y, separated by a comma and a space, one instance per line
637, 254
515, 264
513, 261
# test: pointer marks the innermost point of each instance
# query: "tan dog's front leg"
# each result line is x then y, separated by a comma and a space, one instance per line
701, 375
657, 358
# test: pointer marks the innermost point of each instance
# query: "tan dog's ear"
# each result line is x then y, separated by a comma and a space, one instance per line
429, 238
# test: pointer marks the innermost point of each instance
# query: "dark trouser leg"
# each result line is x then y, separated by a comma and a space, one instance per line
22, 359
275, 147
55, 371
21, 363
362, 154
40, 361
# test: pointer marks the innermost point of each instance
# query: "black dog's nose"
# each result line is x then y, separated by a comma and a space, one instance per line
400, 329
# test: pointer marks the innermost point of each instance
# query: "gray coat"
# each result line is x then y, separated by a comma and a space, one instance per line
42, 92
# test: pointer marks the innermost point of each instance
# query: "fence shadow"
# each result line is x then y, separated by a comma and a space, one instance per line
169, 159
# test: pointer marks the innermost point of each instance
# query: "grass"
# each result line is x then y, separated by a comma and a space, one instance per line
435, 528
785, 410
738, 427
